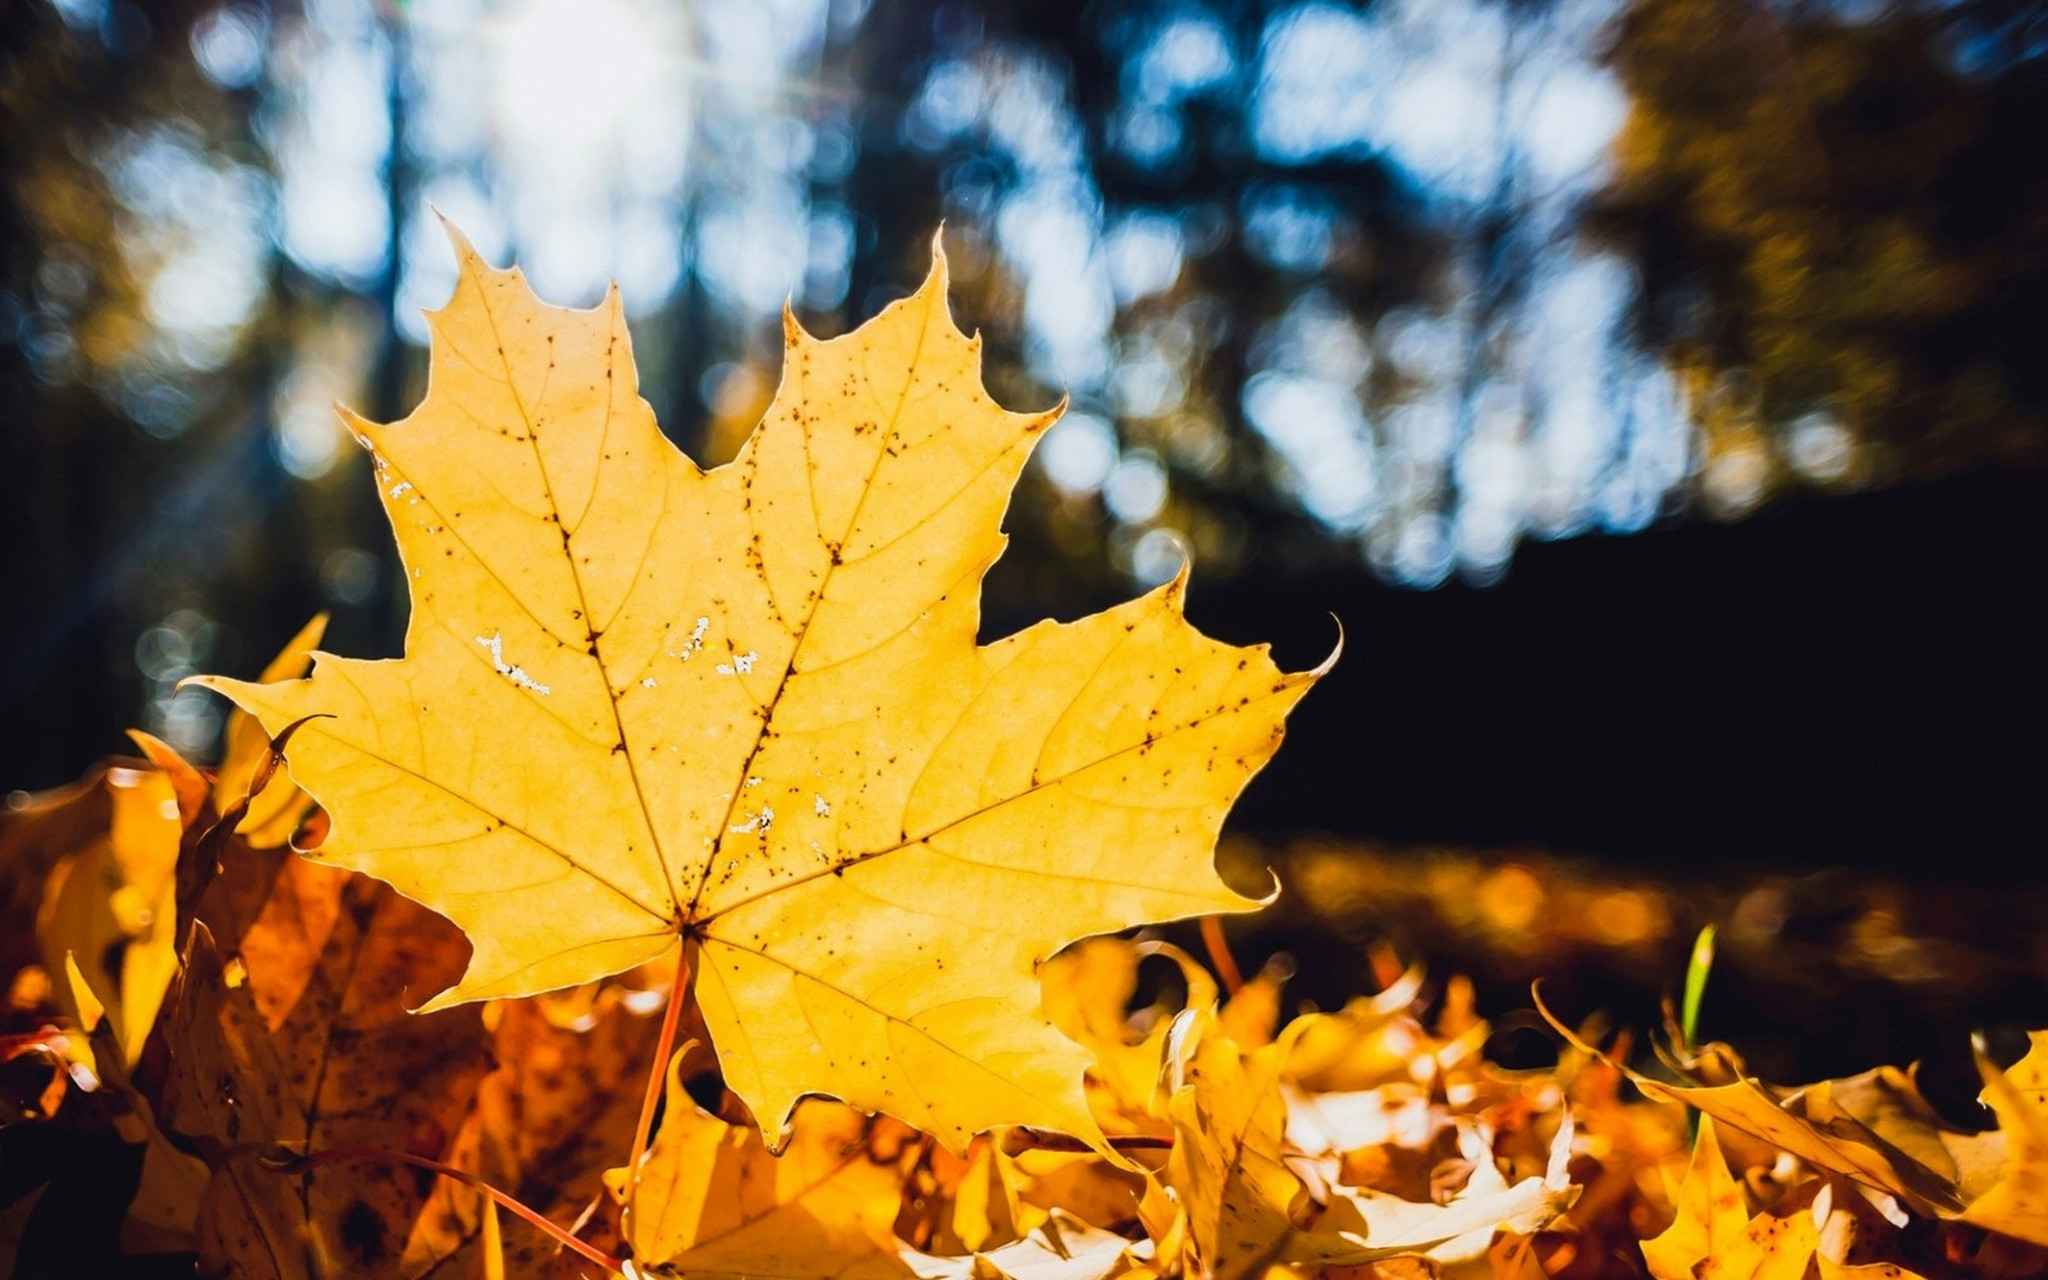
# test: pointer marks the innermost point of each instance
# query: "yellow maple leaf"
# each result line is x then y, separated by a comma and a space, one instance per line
746, 709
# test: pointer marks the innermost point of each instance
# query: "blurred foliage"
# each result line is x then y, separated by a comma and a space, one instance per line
1395, 285
1842, 228
134, 493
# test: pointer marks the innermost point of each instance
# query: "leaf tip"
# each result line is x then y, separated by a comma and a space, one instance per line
1043, 420
363, 429
940, 278
1173, 592
470, 267
465, 250
91, 1009
221, 685
158, 752
443, 1000
1329, 663
1272, 893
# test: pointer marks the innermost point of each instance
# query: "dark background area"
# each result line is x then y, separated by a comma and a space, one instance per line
1853, 682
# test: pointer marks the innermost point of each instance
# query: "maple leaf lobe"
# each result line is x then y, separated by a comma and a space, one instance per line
746, 708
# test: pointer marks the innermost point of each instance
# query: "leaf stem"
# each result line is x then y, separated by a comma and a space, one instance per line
1024, 1138
1225, 964
657, 1076
302, 1164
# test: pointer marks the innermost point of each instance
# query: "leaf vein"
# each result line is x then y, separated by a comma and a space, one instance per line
488, 812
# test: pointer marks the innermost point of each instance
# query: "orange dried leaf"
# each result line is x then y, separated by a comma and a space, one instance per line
1711, 1212
549, 1119
344, 1065
192, 788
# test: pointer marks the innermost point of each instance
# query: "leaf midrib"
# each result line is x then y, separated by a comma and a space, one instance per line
575, 575
803, 633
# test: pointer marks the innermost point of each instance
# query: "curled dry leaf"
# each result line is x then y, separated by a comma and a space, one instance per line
745, 711
1251, 1016
1087, 990
1251, 1200
1375, 1225
190, 784
1065, 1248
1371, 1041
35, 836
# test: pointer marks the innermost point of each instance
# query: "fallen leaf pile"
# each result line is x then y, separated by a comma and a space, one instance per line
1368, 1141
697, 788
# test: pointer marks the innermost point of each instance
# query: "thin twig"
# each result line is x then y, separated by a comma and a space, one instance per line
1024, 1138
1227, 971
302, 1164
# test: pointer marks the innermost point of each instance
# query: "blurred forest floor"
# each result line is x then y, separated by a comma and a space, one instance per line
1817, 974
